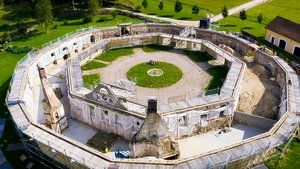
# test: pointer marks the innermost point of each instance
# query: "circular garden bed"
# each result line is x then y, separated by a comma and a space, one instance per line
157, 75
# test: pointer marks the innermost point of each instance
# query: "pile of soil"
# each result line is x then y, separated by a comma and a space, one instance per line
260, 94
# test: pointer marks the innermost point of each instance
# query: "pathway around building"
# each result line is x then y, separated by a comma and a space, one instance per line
215, 18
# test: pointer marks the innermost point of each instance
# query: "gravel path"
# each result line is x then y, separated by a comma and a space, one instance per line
194, 79
215, 18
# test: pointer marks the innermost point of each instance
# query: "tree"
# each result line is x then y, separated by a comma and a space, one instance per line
43, 10
260, 18
243, 15
93, 6
145, 4
178, 6
161, 5
195, 10
224, 11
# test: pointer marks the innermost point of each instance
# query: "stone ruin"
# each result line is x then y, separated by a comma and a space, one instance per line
54, 113
154, 138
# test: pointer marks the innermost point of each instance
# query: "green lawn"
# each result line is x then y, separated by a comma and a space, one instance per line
206, 6
171, 75
289, 160
92, 65
288, 9
218, 74
198, 56
114, 54
156, 48
90, 79
38, 38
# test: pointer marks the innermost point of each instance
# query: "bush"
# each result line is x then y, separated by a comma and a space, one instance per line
6, 37
55, 26
138, 8
87, 19
18, 50
65, 23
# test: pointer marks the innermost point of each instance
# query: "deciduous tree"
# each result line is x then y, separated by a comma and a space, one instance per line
260, 18
195, 10
43, 11
161, 5
178, 6
145, 4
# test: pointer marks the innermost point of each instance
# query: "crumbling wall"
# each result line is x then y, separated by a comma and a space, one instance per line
275, 70
220, 38
190, 123
253, 120
104, 118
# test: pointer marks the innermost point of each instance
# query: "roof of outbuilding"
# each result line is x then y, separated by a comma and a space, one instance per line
285, 27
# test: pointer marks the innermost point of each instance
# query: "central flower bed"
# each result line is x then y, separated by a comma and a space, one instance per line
158, 75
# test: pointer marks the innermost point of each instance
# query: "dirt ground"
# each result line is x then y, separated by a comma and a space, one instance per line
260, 93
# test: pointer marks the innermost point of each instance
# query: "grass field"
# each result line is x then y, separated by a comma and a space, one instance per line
114, 54
90, 79
40, 36
289, 160
288, 9
206, 6
218, 74
156, 48
198, 56
92, 65
171, 75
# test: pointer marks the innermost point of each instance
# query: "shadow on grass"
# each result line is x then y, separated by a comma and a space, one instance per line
198, 56
24, 38
80, 22
168, 16
13, 27
228, 25
152, 13
246, 28
184, 18
219, 74
18, 12
104, 19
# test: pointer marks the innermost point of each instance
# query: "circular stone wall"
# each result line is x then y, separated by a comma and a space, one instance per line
146, 76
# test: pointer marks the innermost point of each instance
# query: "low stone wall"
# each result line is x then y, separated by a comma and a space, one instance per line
215, 37
253, 120
270, 64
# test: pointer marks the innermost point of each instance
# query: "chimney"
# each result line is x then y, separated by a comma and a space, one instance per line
42, 72
152, 105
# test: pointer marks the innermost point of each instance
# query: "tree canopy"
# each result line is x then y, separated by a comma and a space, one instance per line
260, 18
161, 5
145, 4
224, 11
243, 15
93, 7
43, 10
195, 10
178, 6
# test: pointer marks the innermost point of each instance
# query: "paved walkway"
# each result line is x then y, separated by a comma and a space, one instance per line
237, 9
231, 11
189, 86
